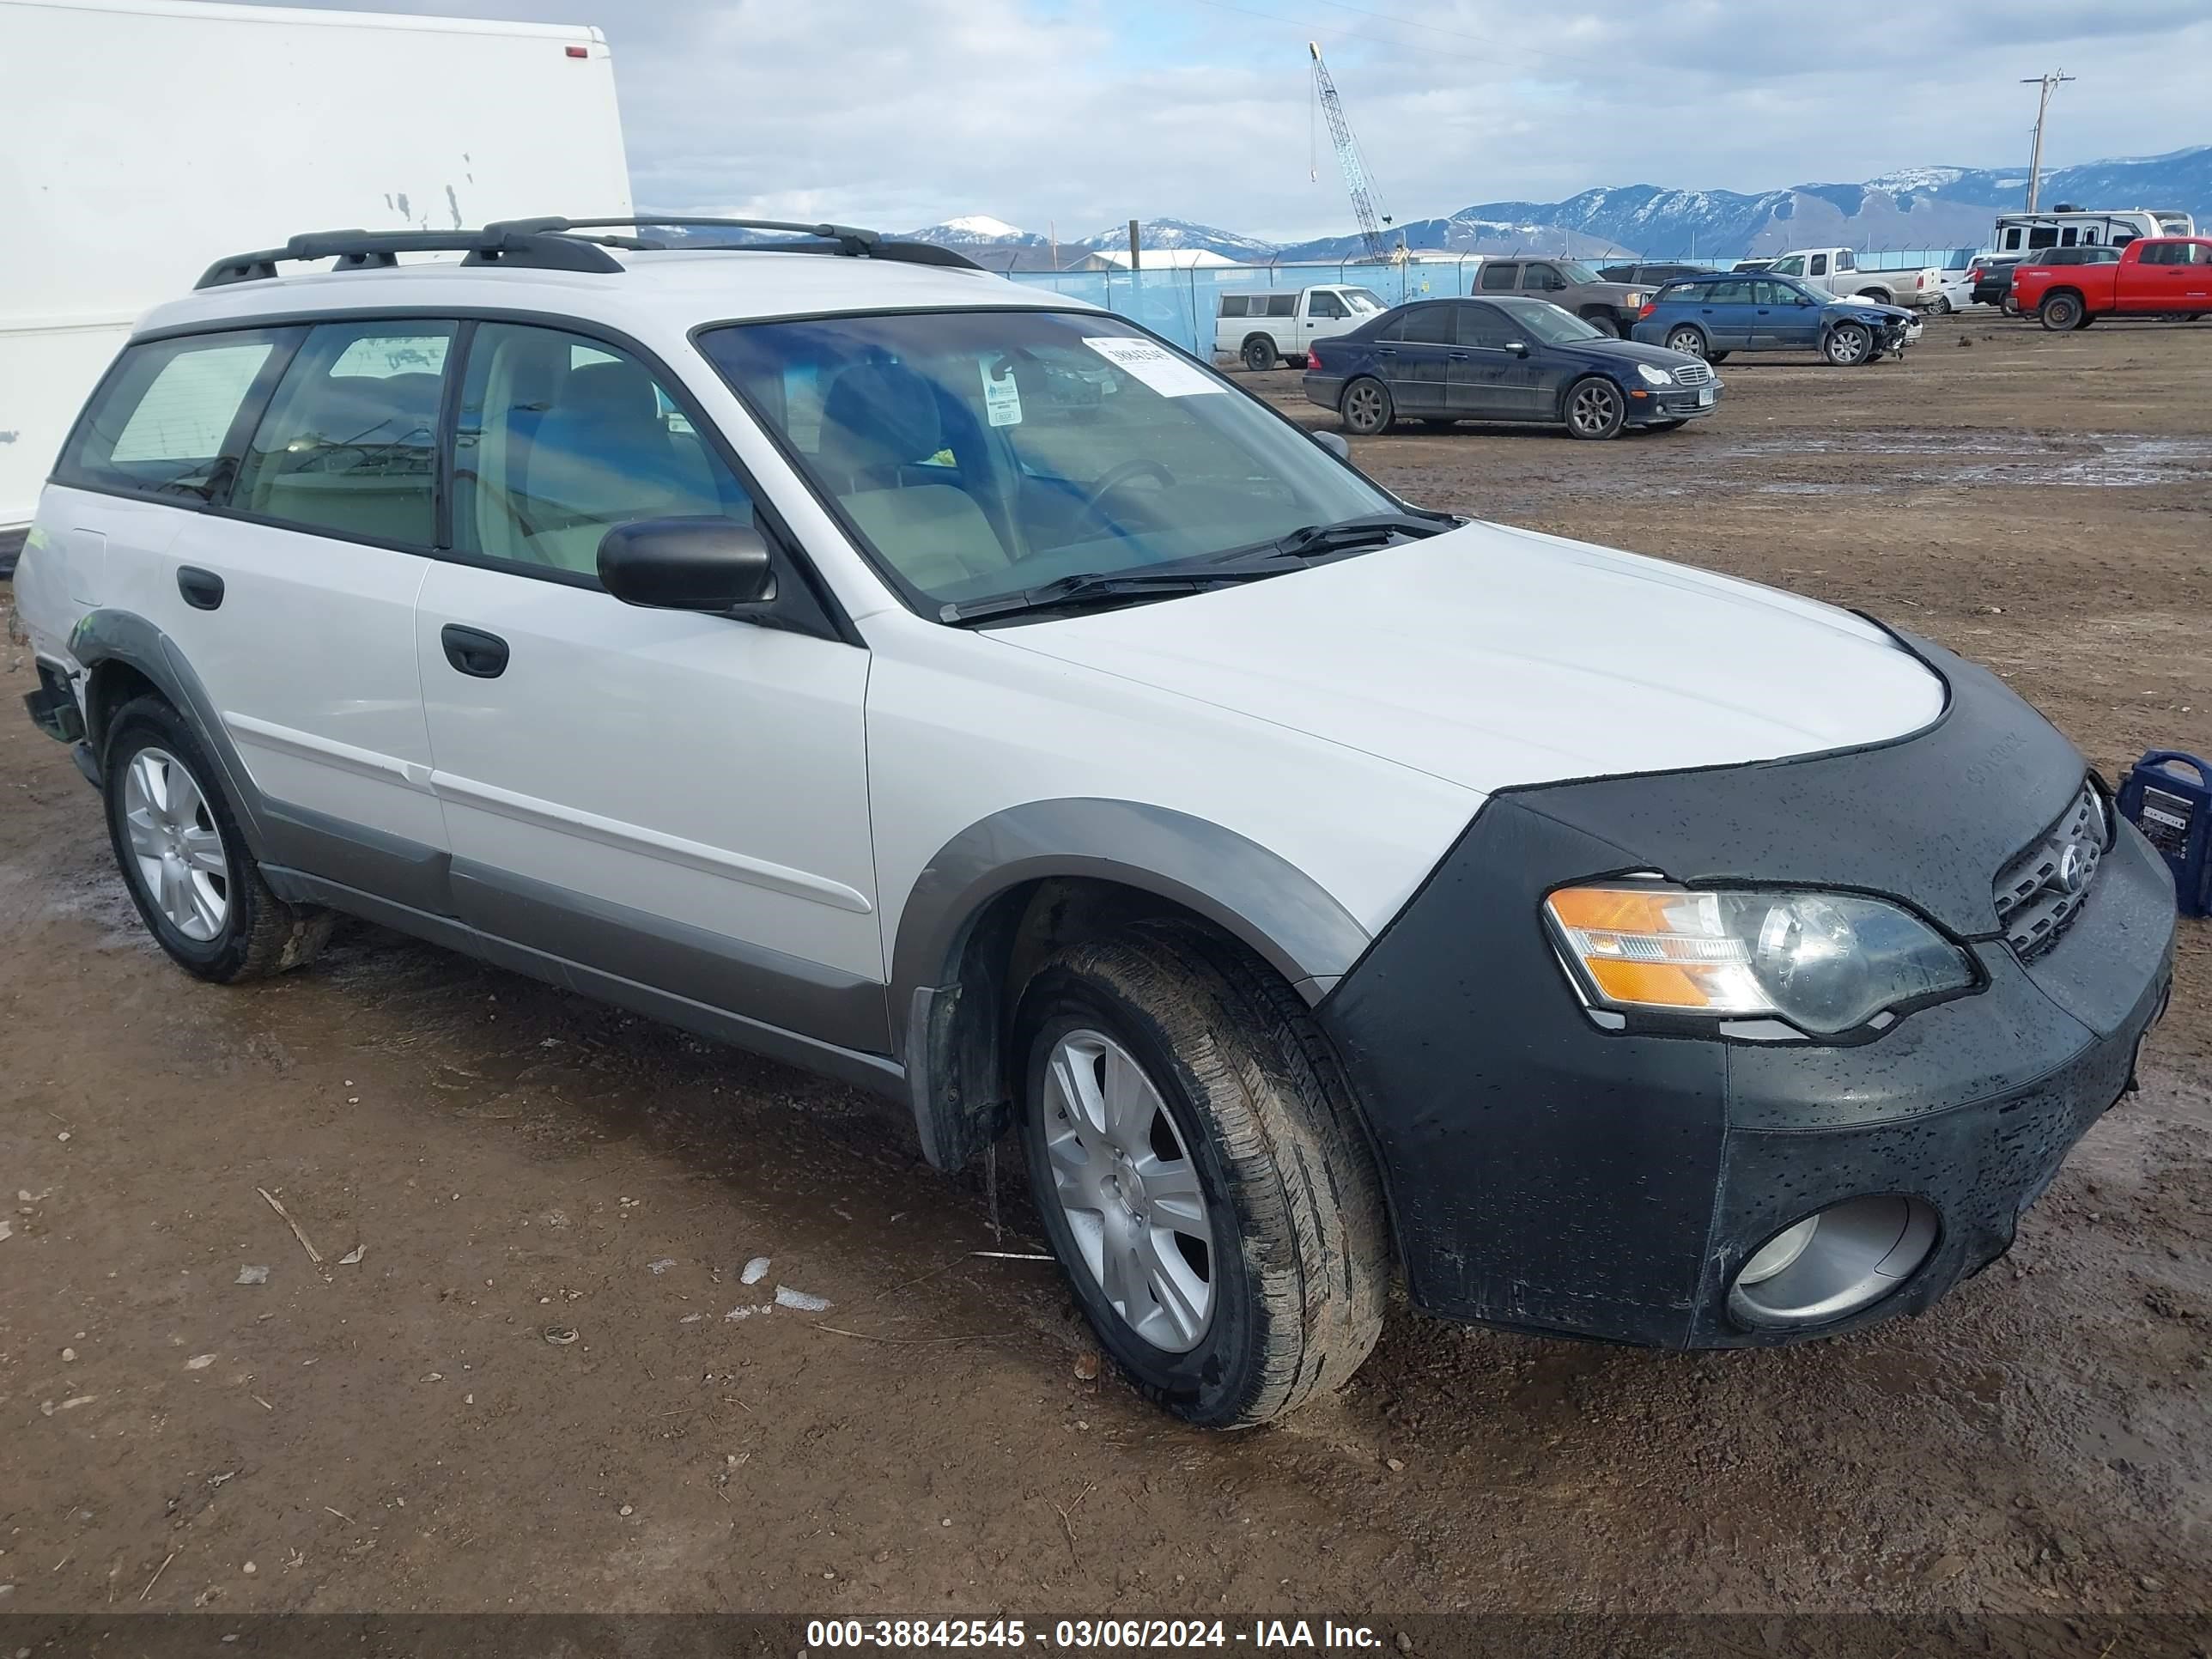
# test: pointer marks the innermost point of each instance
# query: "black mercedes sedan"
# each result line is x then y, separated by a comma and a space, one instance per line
1522, 360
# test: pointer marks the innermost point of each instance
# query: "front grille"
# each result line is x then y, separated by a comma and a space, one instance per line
2042, 888
1692, 374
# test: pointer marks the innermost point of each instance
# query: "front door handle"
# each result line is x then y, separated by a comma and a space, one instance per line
202, 589
474, 651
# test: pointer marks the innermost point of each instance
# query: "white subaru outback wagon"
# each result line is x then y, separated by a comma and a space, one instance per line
870, 662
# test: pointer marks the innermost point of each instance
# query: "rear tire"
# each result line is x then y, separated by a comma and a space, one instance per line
1692, 340
1260, 354
1366, 408
1848, 344
185, 860
2061, 314
1192, 1143
1940, 305
1595, 408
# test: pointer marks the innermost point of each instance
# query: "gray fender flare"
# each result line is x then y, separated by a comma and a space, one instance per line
1257, 896
123, 636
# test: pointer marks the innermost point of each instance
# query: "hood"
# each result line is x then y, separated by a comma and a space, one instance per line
1625, 351
1865, 309
1616, 292
1488, 656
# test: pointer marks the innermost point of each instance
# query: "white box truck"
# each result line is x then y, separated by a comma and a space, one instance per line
141, 140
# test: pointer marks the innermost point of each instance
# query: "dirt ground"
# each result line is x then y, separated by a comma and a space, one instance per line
514, 1381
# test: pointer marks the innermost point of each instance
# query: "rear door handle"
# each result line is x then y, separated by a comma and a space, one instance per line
474, 651
202, 589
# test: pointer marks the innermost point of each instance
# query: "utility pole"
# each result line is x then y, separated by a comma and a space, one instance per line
2050, 83
1136, 254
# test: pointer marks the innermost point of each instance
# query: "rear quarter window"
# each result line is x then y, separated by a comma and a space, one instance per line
163, 421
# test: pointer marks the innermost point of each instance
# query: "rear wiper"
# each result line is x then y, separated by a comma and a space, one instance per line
1087, 587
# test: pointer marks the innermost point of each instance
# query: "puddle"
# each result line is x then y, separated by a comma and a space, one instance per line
2089, 460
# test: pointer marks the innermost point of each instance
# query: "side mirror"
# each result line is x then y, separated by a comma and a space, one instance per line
1333, 442
1516, 348
686, 564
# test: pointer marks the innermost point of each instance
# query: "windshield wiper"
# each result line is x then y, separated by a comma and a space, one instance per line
1316, 539
1086, 587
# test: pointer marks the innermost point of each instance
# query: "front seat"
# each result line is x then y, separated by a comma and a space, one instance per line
603, 456
878, 420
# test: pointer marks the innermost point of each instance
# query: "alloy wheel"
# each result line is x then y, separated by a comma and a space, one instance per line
1365, 408
1594, 409
175, 844
1688, 340
1129, 1191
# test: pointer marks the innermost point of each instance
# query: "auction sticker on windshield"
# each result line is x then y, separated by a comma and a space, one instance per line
1157, 366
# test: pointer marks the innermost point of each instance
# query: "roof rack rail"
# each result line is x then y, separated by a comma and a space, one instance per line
363, 250
552, 244
847, 240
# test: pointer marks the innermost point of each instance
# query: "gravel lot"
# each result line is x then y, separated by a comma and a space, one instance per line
415, 1429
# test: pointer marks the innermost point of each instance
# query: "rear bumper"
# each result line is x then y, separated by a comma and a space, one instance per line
1549, 1174
1326, 390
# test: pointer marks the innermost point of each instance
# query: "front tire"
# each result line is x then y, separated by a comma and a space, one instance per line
185, 860
1260, 354
1848, 344
1603, 323
2061, 314
1200, 1172
1595, 408
1366, 409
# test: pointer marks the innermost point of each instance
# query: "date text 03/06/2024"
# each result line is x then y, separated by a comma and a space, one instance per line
1080, 1634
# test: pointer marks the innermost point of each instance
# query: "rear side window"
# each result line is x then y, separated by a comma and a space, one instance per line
1282, 305
1820, 266
1233, 305
1497, 278
1429, 326
350, 444
160, 424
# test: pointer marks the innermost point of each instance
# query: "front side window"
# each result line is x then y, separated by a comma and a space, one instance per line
1484, 327
1548, 322
1497, 279
350, 443
1546, 277
560, 439
1322, 303
977, 454
159, 423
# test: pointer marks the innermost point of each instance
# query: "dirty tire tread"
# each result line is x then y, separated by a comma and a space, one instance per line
1316, 1240
275, 937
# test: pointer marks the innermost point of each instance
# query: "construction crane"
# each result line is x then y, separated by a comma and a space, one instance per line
1347, 152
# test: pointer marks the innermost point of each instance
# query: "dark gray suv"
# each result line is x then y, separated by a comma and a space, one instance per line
1569, 284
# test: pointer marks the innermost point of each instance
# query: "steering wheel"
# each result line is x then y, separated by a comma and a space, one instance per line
1116, 477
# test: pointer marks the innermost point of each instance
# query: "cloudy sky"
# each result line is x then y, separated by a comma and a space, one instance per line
1082, 114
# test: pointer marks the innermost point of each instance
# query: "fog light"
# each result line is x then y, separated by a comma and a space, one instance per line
1836, 1262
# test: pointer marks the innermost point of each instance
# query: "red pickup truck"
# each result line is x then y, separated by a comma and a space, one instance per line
2154, 276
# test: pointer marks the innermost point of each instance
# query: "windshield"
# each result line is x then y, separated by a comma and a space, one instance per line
1548, 322
1364, 299
988, 453
1575, 271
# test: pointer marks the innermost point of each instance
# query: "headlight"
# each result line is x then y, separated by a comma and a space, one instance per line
1824, 962
1634, 297
1655, 376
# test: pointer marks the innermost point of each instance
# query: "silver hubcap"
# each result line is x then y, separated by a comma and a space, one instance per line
1592, 410
1851, 345
1366, 408
1125, 1183
175, 844
1688, 340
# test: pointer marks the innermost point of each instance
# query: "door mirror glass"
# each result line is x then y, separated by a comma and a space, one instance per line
686, 564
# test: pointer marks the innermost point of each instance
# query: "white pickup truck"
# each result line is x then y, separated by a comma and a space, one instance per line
1263, 328
1836, 271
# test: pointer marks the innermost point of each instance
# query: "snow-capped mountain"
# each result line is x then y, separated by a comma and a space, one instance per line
1925, 207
